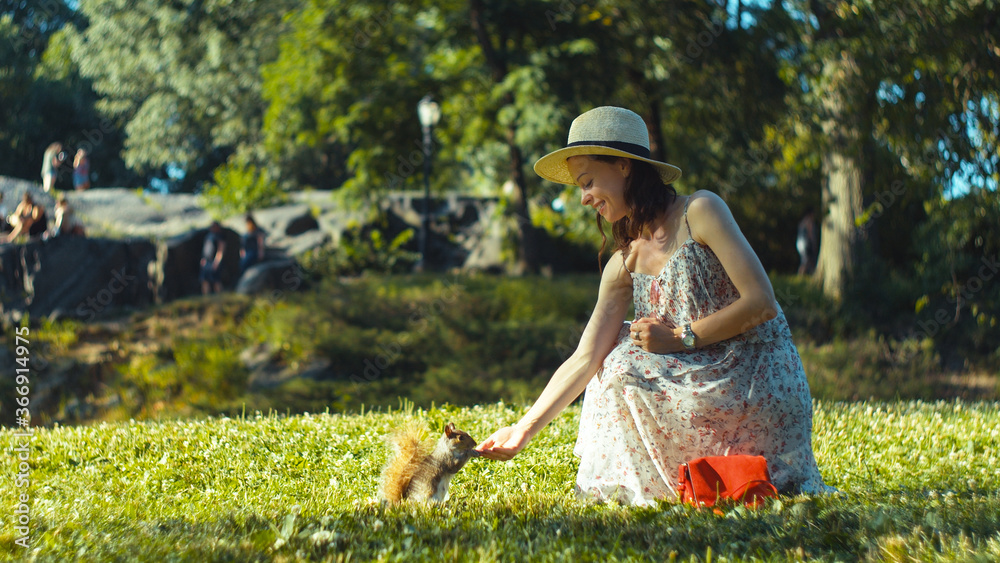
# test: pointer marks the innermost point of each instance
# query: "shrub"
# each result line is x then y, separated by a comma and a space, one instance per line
363, 250
959, 307
461, 340
873, 367
238, 187
193, 376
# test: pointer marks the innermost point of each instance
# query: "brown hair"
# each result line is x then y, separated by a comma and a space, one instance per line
646, 196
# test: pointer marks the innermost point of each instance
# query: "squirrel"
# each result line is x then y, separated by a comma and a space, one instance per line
420, 470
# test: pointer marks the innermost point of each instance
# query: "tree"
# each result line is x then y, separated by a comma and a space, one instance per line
510, 77
16, 83
507, 34
709, 90
349, 78
343, 93
960, 303
871, 70
36, 22
551, 61
183, 77
46, 100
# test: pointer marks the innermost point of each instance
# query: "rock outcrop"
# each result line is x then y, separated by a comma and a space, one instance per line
178, 263
82, 277
271, 275
145, 248
74, 277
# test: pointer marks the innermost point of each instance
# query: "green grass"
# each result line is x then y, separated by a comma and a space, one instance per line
920, 482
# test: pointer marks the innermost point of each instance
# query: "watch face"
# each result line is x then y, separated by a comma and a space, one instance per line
688, 337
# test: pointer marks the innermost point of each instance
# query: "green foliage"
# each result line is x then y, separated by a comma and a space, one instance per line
45, 100
38, 22
188, 93
869, 345
462, 339
323, 93
919, 482
59, 335
194, 376
362, 250
239, 187
960, 299
574, 223
342, 95
368, 340
876, 367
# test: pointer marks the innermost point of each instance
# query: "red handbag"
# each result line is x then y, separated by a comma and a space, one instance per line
705, 480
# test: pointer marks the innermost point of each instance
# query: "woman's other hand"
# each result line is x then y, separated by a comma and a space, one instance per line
656, 336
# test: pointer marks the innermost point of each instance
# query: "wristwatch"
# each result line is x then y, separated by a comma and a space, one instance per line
688, 337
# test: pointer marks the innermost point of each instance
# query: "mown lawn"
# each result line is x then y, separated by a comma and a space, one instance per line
920, 482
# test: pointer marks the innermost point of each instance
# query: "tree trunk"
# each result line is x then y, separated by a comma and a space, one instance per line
657, 147
842, 179
528, 261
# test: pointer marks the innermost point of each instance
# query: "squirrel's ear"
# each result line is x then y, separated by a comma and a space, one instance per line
449, 429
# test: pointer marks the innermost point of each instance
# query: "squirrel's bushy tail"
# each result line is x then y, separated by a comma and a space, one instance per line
410, 447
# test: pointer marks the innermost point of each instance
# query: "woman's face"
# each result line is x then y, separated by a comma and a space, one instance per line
602, 184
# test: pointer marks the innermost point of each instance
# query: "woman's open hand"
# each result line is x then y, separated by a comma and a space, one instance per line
504, 443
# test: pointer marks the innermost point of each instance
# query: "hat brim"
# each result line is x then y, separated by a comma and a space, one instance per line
553, 166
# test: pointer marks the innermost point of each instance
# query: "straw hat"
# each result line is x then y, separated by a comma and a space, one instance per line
605, 130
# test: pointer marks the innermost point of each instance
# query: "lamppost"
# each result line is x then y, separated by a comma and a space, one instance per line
429, 113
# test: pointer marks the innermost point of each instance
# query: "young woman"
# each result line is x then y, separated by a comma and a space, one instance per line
708, 366
81, 170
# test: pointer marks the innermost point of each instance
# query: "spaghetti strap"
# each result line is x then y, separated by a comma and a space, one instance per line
688, 225
625, 265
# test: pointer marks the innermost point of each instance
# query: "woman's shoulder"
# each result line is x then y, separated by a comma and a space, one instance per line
706, 212
703, 201
619, 268
704, 204
618, 258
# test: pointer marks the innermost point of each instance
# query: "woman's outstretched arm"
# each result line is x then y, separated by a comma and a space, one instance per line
572, 377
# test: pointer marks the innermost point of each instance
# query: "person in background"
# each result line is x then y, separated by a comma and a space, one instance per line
81, 170
66, 221
806, 242
212, 251
251, 244
53, 159
29, 217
